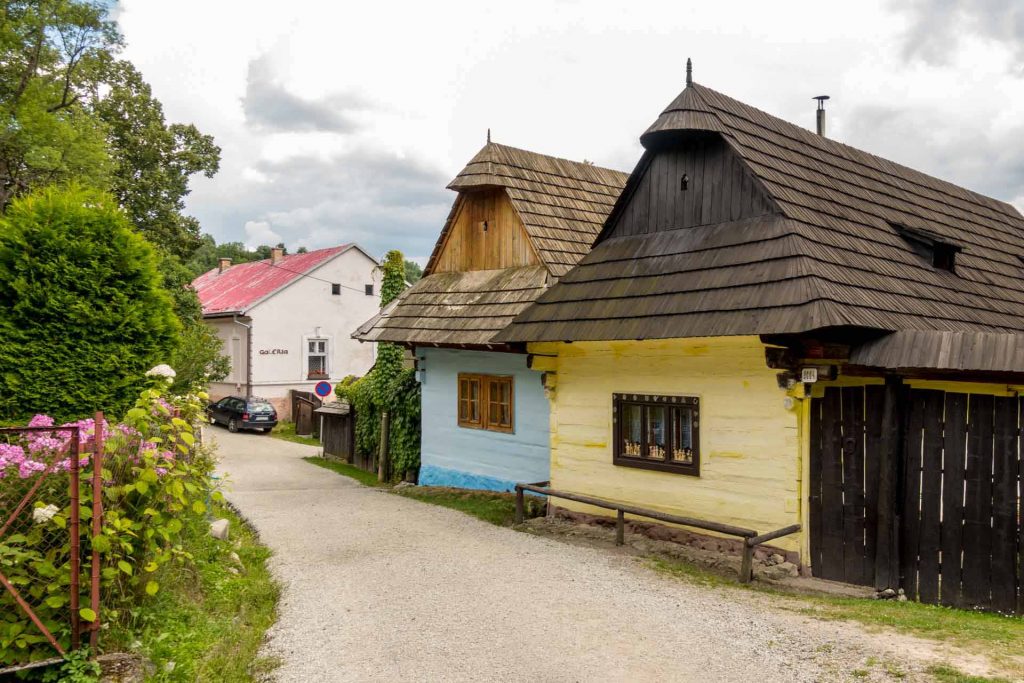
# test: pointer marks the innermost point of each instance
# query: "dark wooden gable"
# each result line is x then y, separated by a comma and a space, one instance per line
697, 181
841, 251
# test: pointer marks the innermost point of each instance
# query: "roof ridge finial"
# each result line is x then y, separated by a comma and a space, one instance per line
689, 72
488, 136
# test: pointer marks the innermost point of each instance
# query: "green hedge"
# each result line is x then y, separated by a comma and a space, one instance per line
83, 315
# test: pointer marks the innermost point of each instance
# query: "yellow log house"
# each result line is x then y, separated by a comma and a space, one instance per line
774, 328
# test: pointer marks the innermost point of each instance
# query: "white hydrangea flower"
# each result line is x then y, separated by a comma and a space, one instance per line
45, 514
162, 370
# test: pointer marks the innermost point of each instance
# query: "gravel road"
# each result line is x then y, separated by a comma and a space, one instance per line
382, 588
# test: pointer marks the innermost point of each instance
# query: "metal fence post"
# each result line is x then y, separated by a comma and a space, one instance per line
75, 560
97, 529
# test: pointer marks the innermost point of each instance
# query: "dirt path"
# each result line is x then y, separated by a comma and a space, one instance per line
384, 588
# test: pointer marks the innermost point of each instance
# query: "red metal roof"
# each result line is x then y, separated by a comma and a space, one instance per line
243, 285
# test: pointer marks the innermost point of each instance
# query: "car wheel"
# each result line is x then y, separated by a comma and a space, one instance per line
232, 425
267, 430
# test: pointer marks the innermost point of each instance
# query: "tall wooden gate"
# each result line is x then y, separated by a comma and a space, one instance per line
959, 503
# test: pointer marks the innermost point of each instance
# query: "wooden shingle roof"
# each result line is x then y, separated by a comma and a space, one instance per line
466, 308
833, 252
562, 203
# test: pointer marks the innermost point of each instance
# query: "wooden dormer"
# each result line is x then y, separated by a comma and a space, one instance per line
539, 211
485, 233
520, 221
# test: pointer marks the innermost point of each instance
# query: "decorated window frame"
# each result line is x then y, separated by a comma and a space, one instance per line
657, 432
486, 402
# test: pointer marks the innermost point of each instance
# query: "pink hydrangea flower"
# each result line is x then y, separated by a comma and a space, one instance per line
41, 421
30, 467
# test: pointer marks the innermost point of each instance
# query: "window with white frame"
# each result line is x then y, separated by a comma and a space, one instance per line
316, 359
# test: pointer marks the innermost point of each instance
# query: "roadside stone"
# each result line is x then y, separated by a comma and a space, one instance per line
124, 667
775, 558
887, 594
783, 570
219, 529
233, 570
404, 485
237, 561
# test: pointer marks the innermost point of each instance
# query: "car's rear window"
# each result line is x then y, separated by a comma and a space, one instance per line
260, 408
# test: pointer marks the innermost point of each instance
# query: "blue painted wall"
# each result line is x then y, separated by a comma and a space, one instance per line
477, 458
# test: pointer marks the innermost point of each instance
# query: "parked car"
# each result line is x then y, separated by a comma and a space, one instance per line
237, 412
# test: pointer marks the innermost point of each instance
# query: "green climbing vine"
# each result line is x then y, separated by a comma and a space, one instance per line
388, 386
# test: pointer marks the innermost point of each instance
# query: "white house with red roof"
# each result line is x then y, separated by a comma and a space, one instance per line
286, 321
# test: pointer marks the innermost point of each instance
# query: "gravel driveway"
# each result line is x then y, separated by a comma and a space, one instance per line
383, 588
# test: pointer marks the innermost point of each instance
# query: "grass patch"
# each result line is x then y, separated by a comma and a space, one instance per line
362, 476
496, 508
490, 506
997, 637
286, 432
947, 674
207, 623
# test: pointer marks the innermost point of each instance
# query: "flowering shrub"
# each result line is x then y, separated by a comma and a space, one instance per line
21, 459
155, 484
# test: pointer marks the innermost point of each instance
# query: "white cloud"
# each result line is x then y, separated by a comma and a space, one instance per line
343, 122
259, 232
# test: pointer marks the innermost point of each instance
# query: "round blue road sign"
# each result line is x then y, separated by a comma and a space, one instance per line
322, 389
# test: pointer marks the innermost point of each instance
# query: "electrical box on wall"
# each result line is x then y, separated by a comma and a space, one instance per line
809, 375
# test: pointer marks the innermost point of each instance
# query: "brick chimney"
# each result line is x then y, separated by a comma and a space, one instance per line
223, 263
276, 255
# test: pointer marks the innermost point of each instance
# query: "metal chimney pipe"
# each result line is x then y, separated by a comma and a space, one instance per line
821, 114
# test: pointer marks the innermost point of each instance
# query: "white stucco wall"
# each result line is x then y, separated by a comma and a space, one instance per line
306, 309
283, 323
234, 338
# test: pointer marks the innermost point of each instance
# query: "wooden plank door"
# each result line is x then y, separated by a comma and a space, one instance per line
843, 442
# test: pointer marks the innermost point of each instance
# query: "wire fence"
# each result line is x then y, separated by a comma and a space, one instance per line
50, 581
90, 513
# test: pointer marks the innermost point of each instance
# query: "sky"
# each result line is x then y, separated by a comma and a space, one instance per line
343, 122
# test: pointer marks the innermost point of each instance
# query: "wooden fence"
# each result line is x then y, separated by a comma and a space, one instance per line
303, 405
958, 508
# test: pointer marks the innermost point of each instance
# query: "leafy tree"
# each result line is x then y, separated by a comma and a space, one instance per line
50, 51
152, 161
197, 357
75, 113
205, 258
83, 313
413, 272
